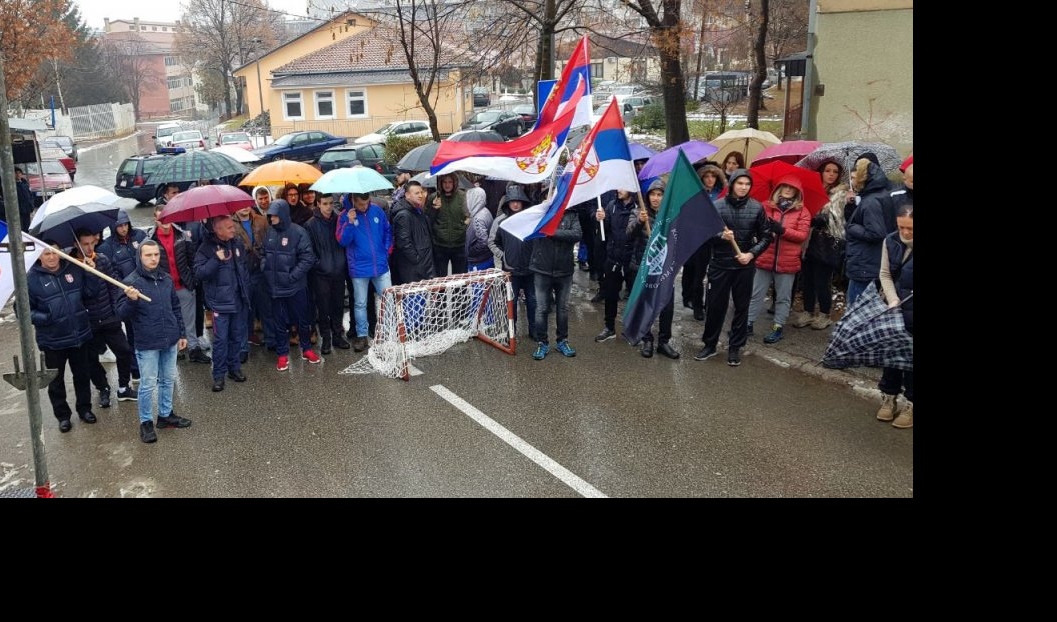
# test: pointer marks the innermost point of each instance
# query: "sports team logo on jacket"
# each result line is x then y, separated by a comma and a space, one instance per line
69, 278
286, 241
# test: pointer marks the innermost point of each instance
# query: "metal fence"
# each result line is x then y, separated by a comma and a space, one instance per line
102, 120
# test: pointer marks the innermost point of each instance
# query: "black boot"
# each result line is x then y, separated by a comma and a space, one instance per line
324, 335
340, 341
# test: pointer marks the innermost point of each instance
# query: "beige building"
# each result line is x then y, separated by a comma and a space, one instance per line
351, 86
863, 73
617, 60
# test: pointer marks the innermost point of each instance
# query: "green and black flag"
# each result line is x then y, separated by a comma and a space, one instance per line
687, 220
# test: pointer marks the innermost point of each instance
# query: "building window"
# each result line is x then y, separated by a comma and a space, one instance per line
154, 28
596, 71
357, 99
324, 104
292, 107
176, 105
170, 61
173, 81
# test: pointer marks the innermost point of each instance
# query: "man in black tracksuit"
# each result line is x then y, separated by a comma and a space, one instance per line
327, 277
731, 273
616, 269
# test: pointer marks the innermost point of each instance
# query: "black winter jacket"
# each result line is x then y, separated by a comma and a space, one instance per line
102, 305
553, 256
158, 324
330, 256
619, 245
122, 251
56, 303
185, 256
226, 283
288, 255
749, 224
868, 226
412, 242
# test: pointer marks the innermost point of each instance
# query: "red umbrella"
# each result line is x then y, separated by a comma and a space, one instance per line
767, 177
791, 152
205, 202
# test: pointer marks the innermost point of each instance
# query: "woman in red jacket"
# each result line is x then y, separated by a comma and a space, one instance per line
790, 224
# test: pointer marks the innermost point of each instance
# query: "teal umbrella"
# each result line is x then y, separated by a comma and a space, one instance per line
358, 179
196, 165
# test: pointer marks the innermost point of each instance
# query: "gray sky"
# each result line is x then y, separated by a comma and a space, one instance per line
95, 10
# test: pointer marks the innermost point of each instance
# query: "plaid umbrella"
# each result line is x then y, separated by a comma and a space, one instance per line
870, 335
196, 165
846, 153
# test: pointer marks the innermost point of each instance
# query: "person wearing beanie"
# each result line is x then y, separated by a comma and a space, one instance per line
636, 231
731, 270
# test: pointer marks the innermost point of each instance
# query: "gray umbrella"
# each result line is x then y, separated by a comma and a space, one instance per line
430, 181
421, 158
60, 225
846, 153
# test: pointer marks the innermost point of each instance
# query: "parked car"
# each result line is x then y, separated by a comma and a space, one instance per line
528, 114
54, 153
632, 105
371, 156
481, 97
397, 128
191, 140
61, 142
504, 122
163, 134
235, 139
133, 177
56, 179
304, 146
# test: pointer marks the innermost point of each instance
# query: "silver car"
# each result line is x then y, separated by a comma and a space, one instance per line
188, 139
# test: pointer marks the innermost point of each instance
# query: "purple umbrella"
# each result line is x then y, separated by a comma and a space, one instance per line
664, 161
641, 152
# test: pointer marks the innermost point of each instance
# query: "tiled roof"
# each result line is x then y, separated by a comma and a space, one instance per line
348, 78
377, 48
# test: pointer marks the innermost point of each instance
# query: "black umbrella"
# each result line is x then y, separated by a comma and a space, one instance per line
430, 181
421, 158
61, 225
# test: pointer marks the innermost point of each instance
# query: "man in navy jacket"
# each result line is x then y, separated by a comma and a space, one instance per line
220, 264
288, 257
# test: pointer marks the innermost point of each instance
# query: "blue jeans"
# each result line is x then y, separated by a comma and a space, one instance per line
525, 283
560, 286
359, 294
484, 265
287, 311
229, 335
854, 289
157, 368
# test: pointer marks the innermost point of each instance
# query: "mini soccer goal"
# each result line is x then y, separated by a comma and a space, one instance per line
428, 317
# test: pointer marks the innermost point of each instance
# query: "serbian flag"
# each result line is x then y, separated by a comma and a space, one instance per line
564, 95
602, 163
527, 159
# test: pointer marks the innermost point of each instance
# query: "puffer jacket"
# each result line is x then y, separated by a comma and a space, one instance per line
553, 256
868, 226
637, 237
330, 256
748, 221
783, 255
896, 199
514, 255
412, 242
619, 245
288, 254
57, 308
158, 324
184, 248
477, 234
122, 251
823, 246
226, 283
448, 224
102, 305
367, 239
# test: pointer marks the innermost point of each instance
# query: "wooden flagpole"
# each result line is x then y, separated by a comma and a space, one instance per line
105, 277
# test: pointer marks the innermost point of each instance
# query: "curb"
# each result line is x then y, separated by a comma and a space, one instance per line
861, 386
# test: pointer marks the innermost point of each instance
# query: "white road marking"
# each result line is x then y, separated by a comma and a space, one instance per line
530, 452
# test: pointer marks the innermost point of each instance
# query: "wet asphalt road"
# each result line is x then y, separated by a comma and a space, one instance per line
97, 165
628, 426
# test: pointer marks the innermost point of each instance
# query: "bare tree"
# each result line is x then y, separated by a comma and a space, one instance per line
665, 31
128, 57
787, 30
759, 49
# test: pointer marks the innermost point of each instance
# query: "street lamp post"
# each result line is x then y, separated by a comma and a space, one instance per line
260, 91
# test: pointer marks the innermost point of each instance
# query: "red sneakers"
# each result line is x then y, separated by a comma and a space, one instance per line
283, 364
311, 357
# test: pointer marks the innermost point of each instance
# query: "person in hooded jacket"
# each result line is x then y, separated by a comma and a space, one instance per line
552, 263
903, 195
299, 213
251, 228
177, 260
615, 218
288, 257
221, 265
309, 198
122, 247
327, 277
449, 218
636, 232
825, 249
367, 236
515, 255
790, 223
715, 182
866, 229
106, 324
57, 294
478, 255
162, 334
731, 271
412, 236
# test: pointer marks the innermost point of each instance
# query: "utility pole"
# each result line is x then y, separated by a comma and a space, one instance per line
260, 92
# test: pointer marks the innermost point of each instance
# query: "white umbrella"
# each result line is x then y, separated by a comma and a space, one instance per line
748, 141
74, 196
238, 154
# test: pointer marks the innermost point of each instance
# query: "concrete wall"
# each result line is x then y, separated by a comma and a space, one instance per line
385, 103
307, 44
864, 57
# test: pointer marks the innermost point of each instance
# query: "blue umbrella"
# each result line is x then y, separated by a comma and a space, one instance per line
664, 161
641, 152
358, 179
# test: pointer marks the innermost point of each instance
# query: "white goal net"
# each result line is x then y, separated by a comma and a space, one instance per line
428, 317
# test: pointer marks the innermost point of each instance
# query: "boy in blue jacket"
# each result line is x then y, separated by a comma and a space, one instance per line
365, 233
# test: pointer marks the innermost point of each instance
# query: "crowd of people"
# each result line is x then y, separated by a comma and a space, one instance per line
286, 265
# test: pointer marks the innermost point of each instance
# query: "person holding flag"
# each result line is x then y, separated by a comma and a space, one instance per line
731, 271
636, 231
614, 220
